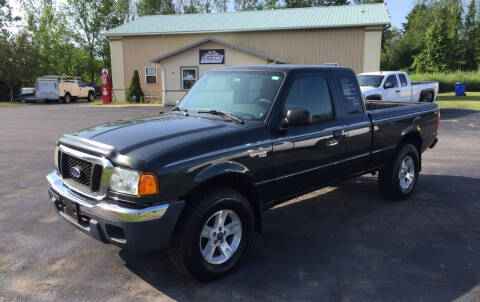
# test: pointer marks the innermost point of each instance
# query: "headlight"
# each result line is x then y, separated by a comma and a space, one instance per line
133, 182
56, 157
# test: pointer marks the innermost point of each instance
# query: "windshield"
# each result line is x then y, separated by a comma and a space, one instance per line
370, 80
247, 95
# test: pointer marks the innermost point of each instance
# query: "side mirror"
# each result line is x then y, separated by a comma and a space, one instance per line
297, 117
388, 85
177, 102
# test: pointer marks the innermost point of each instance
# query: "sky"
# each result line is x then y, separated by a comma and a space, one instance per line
398, 9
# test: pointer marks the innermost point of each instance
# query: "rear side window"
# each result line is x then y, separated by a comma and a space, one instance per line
392, 79
403, 80
352, 100
311, 93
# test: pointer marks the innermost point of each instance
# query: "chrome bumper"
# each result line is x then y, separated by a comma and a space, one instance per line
104, 209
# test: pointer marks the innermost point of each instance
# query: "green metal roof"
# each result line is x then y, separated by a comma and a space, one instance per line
259, 20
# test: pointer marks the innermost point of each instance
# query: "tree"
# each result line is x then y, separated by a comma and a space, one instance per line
471, 37
92, 17
17, 55
155, 7
134, 92
442, 49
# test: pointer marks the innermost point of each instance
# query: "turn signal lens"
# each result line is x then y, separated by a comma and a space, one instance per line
147, 184
55, 156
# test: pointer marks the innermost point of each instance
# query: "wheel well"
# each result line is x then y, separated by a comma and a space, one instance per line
427, 92
415, 139
237, 182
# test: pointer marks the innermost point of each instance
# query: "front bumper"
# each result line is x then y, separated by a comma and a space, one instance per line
142, 229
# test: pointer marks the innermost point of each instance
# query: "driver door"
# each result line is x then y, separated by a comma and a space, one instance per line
305, 156
393, 93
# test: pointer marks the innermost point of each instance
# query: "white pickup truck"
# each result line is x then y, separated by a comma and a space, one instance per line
395, 86
64, 88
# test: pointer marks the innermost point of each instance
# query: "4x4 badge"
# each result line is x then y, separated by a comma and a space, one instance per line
258, 154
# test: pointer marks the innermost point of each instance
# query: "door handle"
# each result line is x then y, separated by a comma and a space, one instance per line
397, 91
332, 142
340, 134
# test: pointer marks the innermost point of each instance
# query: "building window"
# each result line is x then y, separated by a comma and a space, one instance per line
151, 75
189, 77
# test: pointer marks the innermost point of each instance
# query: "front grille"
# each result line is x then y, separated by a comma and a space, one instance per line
84, 166
90, 173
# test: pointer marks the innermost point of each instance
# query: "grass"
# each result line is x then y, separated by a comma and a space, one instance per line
447, 80
100, 103
10, 103
449, 100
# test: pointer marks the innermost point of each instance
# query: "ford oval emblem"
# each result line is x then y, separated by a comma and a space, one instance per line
75, 172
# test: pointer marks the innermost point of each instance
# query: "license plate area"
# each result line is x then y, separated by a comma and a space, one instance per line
70, 208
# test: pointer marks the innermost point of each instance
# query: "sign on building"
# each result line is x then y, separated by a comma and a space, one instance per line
212, 56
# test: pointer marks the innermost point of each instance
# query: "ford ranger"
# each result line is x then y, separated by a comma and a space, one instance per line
196, 180
395, 86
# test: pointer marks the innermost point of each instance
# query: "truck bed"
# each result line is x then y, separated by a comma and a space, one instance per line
423, 82
381, 109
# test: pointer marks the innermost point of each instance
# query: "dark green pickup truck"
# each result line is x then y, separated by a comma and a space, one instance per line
244, 139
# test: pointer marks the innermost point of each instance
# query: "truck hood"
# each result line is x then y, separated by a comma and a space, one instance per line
127, 136
368, 89
136, 143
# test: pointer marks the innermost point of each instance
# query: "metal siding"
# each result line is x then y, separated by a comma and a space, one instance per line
259, 20
316, 47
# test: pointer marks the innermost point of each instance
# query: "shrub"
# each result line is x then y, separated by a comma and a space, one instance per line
447, 80
134, 92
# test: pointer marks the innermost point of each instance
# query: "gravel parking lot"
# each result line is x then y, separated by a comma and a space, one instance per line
343, 243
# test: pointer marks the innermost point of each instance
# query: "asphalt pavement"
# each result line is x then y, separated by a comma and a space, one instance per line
344, 243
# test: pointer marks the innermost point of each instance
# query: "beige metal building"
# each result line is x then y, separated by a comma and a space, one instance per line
172, 52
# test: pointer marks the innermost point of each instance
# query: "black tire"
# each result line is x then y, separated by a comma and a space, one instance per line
389, 179
427, 98
91, 97
68, 98
185, 246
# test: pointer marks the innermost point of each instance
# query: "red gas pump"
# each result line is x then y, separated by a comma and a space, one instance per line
106, 87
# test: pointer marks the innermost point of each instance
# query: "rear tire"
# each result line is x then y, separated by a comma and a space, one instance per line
202, 247
397, 180
91, 97
427, 98
68, 98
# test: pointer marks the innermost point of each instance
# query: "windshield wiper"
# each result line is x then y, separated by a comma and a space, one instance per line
221, 113
184, 111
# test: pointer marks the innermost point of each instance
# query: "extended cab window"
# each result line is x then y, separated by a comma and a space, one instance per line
393, 80
352, 101
403, 80
311, 93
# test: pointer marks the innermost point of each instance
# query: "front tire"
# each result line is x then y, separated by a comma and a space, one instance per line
214, 234
91, 97
397, 180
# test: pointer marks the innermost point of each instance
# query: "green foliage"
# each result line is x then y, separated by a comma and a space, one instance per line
134, 92
447, 80
436, 38
19, 62
155, 7
472, 36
